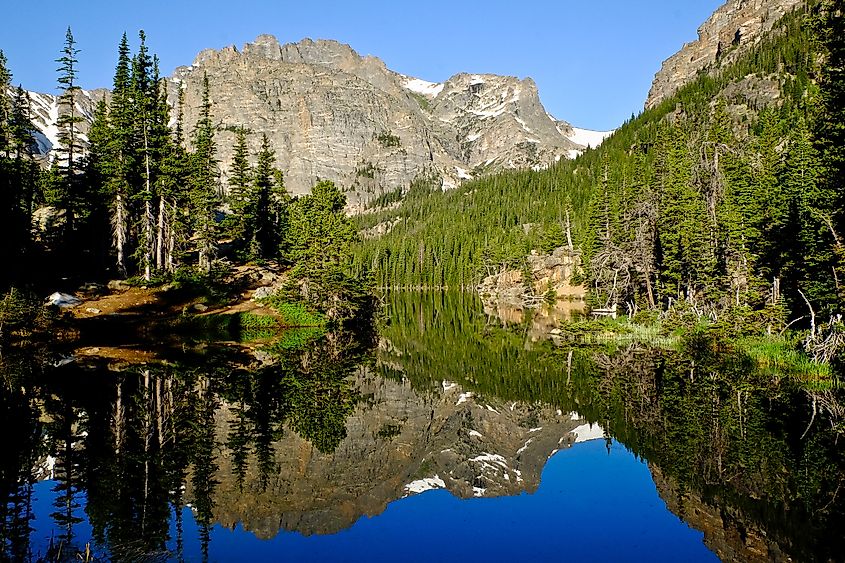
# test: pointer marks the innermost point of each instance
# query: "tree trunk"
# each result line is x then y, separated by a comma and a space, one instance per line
148, 240
148, 212
162, 210
119, 226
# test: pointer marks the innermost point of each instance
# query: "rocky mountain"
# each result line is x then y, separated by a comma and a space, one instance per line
730, 32
400, 441
334, 114
45, 112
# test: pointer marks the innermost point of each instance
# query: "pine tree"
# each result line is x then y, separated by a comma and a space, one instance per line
204, 177
145, 90
805, 244
271, 200
27, 170
69, 149
96, 178
241, 195
5, 106
120, 152
174, 178
162, 146
8, 181
829, 133
681, 227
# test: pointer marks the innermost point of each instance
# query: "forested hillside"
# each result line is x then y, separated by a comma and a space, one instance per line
724, 196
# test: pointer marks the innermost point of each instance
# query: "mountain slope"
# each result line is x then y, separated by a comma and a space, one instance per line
331, 113
455, 238
45, 112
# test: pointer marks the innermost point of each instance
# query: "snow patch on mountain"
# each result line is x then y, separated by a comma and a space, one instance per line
588, 138
422, 87
45, 114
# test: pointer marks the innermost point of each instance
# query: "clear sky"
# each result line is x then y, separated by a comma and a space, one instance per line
593, 60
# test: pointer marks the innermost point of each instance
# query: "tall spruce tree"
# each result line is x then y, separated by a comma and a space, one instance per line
204, 179
241, 195
5, 106
173, 182
271, 201
69, 149
161, 143
121, 155
829, 133
145, 91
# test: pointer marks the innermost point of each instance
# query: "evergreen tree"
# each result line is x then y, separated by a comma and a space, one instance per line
96, 178
121, 155
204, 176
5, 107
145, 91
805, 245
829, 133
161, 144
69, 149
270, 203
241, 195
172, 188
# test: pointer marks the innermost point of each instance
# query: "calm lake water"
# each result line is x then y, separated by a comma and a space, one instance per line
446, 436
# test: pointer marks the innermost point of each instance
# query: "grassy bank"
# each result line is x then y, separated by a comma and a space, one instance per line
778, 354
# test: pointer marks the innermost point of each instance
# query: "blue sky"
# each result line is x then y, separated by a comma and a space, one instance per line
593, 60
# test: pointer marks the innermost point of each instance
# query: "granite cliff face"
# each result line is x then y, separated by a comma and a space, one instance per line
400, 441
731, 31
333, 114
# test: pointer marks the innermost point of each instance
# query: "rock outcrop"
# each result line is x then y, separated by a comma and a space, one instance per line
549, 273
730, 32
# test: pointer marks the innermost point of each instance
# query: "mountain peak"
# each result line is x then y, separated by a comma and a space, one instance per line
265, 45
324, 52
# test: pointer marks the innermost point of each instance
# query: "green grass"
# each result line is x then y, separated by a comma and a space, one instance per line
240, 327
294, 314
776, 355
781, 355
620, 330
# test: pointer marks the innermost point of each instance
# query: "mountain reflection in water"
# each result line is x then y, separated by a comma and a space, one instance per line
299, 448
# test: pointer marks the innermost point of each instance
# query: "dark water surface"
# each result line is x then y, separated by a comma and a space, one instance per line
444, 437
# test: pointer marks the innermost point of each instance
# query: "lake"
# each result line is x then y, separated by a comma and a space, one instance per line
446, 435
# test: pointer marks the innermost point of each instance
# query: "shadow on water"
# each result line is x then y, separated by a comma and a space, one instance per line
145, 459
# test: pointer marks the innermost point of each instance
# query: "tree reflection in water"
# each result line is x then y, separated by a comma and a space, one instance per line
753, 458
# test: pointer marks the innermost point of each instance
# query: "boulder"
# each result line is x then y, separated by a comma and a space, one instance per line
62, 300
263, 292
